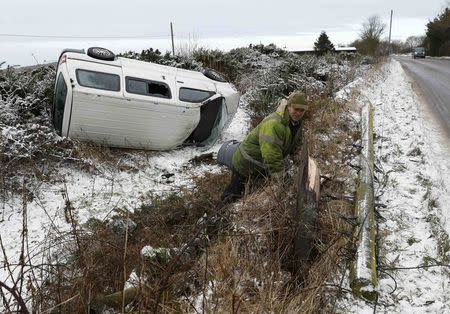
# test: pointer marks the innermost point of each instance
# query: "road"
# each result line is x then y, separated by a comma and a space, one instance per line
432, 80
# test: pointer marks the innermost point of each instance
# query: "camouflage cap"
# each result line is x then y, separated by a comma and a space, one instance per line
298, 100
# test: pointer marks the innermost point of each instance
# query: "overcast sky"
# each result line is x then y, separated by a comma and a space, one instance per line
215, 24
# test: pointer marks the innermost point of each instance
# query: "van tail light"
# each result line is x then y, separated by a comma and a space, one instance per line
62, 60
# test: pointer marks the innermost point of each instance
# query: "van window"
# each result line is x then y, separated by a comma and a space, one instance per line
136, 87
59, 103
99, 80
194, 95
146, 87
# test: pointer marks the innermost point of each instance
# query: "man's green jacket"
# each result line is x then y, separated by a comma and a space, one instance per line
265, 147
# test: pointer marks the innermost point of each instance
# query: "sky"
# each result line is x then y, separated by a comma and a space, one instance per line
141, 24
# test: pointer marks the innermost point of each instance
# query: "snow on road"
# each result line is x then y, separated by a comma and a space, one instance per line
413, 182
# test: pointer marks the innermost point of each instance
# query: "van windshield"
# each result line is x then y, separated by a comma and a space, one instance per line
419, 49
59, 103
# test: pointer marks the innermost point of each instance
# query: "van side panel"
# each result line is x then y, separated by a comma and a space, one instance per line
131, 123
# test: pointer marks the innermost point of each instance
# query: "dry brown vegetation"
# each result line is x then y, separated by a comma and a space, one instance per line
244, 265
102, 255
239, 262
250, 270
245, 268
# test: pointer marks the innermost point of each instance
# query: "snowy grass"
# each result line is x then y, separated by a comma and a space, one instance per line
412, 188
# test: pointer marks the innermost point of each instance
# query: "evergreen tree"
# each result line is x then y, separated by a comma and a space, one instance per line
323, 44
438, 34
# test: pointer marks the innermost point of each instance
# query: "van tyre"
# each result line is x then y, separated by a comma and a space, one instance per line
101, 53
214, 75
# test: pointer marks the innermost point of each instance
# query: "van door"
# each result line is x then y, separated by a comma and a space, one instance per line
96, 90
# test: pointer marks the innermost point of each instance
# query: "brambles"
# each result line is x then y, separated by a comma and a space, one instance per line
27, 138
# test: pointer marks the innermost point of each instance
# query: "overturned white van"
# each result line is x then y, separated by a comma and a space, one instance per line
121, 102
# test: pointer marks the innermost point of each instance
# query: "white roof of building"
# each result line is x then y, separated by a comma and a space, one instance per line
311, 49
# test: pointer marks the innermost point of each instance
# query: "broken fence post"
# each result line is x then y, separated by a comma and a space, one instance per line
306, 213
363, 276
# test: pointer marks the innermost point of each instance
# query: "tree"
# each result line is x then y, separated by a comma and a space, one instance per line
370, 35
414, 41
323, 44
396, 46
438, 34
373, 28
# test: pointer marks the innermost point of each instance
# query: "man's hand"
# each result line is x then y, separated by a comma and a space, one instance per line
289, 166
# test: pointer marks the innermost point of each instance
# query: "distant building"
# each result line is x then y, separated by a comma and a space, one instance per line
346, 49
311, 50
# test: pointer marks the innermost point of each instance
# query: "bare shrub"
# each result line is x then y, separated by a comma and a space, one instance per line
247, 269
102, 257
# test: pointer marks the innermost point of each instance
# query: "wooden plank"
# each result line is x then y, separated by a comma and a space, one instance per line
363, 276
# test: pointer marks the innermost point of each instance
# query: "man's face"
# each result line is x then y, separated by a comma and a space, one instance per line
295, 113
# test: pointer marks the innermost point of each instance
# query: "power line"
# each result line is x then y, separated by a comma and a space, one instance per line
83, 37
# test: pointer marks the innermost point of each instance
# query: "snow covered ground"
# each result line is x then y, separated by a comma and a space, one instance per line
99, 193
412, 155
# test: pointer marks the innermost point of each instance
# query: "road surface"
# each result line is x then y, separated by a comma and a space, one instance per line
432, 79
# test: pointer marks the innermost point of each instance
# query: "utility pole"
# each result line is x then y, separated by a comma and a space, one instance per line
390, 28
171, 34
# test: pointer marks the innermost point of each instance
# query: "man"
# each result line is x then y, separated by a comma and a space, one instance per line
264, 149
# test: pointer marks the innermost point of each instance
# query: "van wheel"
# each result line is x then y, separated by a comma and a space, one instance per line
101, 53
214, 75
